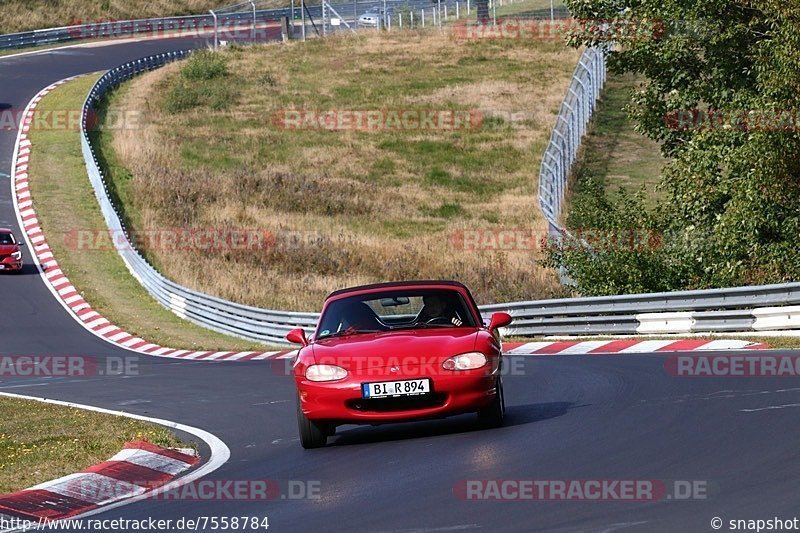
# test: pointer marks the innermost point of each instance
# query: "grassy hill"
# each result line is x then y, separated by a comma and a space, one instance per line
346, 206
23, 15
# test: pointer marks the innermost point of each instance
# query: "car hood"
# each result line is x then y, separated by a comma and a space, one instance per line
6, 249
392, 348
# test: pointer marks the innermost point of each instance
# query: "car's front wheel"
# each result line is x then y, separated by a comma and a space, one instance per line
493, 415
312, 434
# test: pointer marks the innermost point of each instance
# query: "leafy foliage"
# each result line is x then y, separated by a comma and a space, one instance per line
732, 209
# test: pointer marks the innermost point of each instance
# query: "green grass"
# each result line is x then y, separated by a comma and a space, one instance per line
65, 201
528, 8
41, 441
613, 152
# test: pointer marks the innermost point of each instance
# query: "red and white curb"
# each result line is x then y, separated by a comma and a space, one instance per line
626, 346
219, 453
58, 283
138, 469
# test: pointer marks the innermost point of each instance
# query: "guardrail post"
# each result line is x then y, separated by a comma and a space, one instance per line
285, 29
216, 29
254, 19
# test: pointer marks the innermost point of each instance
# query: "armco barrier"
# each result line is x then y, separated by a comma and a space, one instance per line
735, 309
190, 23
125, 28
213, 313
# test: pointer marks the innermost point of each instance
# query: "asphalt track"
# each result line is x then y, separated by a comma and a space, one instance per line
569, 417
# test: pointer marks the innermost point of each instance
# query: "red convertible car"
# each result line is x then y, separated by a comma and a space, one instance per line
395, 352
10, 254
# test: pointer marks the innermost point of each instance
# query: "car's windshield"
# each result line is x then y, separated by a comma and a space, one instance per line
392, 310
6, 238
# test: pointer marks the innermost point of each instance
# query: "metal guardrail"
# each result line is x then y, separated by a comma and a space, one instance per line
208, 311
190, 24
757, 308
126, 28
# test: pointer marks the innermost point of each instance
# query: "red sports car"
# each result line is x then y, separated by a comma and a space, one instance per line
395, 352
10, 254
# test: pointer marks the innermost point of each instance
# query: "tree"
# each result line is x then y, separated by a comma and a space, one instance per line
722, 96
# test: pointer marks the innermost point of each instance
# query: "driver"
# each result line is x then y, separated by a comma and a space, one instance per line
437, 307
360, 317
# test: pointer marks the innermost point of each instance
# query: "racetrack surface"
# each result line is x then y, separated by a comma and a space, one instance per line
569, 417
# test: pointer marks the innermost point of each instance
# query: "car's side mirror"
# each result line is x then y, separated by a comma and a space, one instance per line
20, 243
499, 320
297, 336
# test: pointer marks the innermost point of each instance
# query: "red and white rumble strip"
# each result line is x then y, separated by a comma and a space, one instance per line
69, 296
140, 467
624, 346
58, 283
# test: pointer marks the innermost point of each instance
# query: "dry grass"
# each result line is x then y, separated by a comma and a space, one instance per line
23, 15
347, 207
40, 442
65, 202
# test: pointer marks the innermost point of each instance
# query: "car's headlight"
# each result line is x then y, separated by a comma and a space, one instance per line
325, 373
17, 255
465, 361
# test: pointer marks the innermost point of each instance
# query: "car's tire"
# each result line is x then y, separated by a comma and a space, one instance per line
312, 434
493, 415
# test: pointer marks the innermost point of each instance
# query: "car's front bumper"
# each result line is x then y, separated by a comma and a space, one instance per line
452, 393
10, 264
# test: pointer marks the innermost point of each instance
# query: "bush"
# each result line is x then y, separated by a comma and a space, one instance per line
205, 65
630, 251
180, 98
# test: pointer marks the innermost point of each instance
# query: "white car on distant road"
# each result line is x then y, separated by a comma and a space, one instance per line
372, 17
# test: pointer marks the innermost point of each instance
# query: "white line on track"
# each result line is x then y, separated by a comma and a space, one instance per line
784, 406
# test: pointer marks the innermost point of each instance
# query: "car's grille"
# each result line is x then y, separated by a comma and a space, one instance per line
408, 403
2, 257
